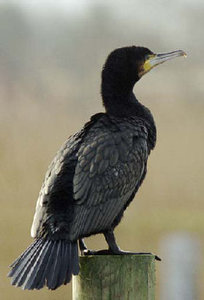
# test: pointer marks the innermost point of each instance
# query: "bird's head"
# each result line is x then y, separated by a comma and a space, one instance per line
125, 66
122, 69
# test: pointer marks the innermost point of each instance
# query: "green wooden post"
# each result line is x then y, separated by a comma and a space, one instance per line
115, 277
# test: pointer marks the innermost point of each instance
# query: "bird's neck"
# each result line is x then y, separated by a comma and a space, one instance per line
116, 98
122, 103
117, 92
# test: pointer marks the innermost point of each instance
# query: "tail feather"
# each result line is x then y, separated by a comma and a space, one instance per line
45, 262
54, 268
22, 267
48, 260
63, 266
69, 269
24, 254
32, 272
75, 258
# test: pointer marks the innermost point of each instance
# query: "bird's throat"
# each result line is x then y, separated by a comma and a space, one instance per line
118, 101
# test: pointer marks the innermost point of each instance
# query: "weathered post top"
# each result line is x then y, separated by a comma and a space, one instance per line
115, 277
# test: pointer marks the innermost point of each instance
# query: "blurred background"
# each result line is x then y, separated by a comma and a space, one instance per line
51, 55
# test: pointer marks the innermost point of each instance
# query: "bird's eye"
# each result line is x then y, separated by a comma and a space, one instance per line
148, 56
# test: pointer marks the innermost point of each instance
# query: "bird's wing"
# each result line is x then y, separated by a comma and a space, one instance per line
110, 165
54, 204
56, 186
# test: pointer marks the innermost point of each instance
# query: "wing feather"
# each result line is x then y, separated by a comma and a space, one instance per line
110, 166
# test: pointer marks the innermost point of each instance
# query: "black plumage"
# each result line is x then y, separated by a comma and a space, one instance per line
94, 176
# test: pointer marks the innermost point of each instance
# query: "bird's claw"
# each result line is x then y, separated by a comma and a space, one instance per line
87, 252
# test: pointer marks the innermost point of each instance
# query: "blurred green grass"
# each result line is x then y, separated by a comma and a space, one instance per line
171, 198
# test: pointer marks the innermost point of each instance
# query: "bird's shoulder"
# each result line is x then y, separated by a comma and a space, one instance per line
66, 158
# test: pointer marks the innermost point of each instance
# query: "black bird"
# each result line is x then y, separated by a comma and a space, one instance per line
93, 177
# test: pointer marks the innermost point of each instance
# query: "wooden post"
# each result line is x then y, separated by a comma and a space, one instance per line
115, 277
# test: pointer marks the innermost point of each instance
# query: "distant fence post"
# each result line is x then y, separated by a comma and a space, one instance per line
181, 255
115, 277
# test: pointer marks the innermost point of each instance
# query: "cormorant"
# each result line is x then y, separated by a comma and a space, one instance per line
94, 176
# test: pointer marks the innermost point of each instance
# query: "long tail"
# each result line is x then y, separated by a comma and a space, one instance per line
45, 262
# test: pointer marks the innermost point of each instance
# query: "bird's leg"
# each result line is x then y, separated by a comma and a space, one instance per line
82, 246
115, 250
85, 251
113, 247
